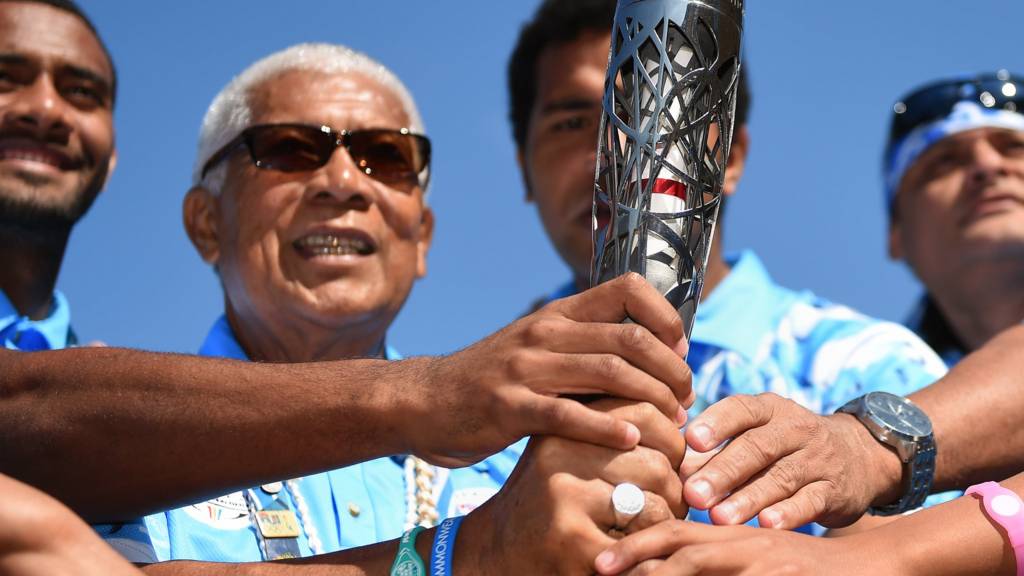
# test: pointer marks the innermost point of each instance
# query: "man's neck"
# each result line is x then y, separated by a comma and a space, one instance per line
982, 302
29, 266
300, 342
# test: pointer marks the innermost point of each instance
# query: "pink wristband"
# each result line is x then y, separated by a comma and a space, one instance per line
1005, 508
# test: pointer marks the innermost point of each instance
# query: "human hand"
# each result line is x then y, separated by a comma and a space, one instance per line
554, 514
510, 385
785, 464
680, 548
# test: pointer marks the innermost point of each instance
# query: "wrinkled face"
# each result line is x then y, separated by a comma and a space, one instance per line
330, 246
961, 201
56, 127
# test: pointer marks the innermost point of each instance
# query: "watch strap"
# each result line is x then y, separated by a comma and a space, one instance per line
919, 473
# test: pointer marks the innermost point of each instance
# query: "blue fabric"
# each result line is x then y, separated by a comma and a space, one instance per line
752, 336
220, 529
18, 332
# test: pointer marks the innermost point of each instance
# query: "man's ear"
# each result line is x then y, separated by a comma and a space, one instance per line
201, 212
521, 161
737, 159
423, 245
895, 239
112, 163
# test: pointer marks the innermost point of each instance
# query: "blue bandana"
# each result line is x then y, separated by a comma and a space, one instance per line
964, 116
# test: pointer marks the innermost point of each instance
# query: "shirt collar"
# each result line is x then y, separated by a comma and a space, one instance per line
221, 342
56, 327
737, 313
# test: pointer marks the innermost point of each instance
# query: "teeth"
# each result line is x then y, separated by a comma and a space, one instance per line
326, 244
27, 155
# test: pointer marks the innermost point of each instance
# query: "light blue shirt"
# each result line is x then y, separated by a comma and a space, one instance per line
752, 336
54, 332
352, 506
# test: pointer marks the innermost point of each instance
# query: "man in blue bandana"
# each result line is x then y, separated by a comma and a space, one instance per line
954, 183
760, 347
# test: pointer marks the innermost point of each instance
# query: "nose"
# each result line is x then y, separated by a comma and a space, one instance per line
342, 181
987, 162
39, 109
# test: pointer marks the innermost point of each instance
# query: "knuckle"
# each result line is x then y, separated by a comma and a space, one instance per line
634, 337
539, 331
786, 475
520, 365
762, 448
610, 365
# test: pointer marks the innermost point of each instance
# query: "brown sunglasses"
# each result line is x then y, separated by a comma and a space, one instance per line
398, 158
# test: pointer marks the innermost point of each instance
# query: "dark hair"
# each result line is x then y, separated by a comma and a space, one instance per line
72, 8
560, 22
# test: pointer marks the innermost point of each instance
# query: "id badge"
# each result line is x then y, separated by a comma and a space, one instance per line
279, 528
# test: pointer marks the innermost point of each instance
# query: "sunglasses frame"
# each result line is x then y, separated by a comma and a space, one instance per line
342, 139
935, 100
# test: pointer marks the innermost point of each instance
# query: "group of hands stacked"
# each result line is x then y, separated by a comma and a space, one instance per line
746, 456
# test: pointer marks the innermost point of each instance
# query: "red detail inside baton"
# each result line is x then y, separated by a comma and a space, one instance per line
670, 187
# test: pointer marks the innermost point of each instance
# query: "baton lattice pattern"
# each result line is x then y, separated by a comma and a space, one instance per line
668, 117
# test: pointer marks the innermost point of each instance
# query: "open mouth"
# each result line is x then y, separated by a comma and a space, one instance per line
349, 243
34, 152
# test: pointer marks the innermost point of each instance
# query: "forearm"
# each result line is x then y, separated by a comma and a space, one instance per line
975, 411
117, 433
955, 538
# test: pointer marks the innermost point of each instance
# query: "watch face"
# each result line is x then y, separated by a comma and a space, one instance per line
898, 413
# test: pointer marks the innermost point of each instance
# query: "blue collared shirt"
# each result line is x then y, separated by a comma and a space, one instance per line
51, 333
752, 336
352, 506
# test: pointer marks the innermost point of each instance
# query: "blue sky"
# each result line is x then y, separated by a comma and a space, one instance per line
823, 74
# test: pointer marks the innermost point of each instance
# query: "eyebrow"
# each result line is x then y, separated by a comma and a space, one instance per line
569, 105
9, 58
86, 74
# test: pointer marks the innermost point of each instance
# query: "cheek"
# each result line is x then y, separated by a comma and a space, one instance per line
97, 135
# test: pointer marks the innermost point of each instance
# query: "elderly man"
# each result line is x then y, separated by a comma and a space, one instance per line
310, 203
795, 351
60, 409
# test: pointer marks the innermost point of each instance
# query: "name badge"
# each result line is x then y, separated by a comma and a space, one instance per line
277, 523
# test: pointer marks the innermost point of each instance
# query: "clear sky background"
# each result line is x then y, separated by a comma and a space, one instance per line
824, 75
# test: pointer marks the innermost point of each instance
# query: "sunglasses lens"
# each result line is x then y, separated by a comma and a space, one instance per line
389, 156
290, 148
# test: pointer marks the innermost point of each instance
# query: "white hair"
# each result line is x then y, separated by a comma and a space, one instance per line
230, 112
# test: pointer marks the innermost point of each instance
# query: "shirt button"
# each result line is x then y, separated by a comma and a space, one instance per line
353, 509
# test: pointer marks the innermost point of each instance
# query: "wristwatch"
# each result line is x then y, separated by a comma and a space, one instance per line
899, 424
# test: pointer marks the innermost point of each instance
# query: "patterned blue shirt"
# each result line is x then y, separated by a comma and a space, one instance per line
54, 332
352, 506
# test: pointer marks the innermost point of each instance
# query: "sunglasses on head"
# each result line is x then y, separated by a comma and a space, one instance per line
397, 158
999, 91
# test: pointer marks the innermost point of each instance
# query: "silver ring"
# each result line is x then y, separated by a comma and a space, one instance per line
628, 501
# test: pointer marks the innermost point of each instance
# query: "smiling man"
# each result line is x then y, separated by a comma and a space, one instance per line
309, 200
59, 409
56, 152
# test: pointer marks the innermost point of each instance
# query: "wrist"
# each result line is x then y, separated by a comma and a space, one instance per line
882, 465
406, 409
